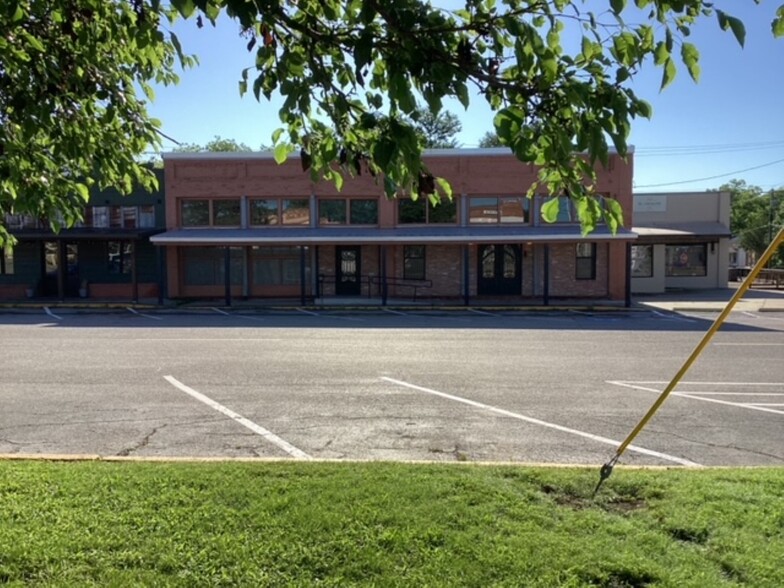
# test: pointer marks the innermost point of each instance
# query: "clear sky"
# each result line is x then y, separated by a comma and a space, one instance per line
729, 125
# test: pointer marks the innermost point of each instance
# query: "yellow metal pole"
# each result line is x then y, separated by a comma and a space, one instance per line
774, 245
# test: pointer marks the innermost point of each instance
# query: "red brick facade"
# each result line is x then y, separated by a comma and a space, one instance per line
270, 260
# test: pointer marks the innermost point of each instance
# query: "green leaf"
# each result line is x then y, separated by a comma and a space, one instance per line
738, 29
661, 54
550, 210
281, 152
184, 7
617, 6
84, 192
777, 25
669, 73
691, 58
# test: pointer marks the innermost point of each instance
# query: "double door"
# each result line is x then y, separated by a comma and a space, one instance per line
500, 269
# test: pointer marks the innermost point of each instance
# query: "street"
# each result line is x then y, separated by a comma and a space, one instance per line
463, 385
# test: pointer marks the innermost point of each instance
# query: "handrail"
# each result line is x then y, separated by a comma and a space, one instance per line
373, 280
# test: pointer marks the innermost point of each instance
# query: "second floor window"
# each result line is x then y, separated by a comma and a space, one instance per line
352, 211
422, 211
498, 209
217, 212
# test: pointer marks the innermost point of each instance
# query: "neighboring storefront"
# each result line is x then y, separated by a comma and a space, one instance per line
107, 256
683, 241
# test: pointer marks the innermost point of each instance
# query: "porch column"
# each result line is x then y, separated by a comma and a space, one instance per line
134, 273
62, 268
466, 274
302, 275
628, 276
227, 275
316, 270
546, 285
384, 290
161, 272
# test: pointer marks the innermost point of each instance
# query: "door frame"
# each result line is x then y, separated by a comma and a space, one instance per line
498, 285
344, 286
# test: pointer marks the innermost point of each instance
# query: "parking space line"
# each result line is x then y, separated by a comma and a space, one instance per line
749, 344
673, 317
149, 316
397, 312
51, 314
482, 312
219, 311
259, 430
302, 310
697, 397
541, 423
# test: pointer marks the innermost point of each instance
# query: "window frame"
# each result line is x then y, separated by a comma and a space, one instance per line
6, 260
649, 274
410, 256
581, 259
124, 256
668, 267
495, 212
428, 209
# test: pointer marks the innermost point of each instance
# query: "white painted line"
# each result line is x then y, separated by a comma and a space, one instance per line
219, 311
673, 317
754, 316
243, 339
482, 312
690, 383
761, 404
733, 393
750, 344
149, 316
302, 310
394, 312
259, 430
694, 397
51, 314
542, 423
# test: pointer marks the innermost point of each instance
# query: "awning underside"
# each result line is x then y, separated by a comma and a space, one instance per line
397, 235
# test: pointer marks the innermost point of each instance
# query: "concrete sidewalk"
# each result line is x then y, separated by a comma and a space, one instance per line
753, 300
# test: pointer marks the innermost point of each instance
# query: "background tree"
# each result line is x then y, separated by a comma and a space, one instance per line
490, 139
219, 145
349, 72
436, 131
755, 215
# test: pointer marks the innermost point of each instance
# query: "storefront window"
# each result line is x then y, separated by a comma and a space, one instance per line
686, 260
642, 261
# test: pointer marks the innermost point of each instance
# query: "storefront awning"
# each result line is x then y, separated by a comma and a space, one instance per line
431, 234
84, 234
681, 232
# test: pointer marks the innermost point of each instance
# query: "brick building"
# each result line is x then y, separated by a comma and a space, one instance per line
240, 225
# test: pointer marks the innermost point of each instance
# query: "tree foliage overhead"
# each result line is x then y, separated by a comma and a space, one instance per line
75, 76
351, 73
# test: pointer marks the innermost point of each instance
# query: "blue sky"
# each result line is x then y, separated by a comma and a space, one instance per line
729, 125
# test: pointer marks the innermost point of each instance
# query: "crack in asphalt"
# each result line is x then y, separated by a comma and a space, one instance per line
722, 446
142, 443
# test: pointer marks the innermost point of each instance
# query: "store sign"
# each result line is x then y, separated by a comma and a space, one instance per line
650, 203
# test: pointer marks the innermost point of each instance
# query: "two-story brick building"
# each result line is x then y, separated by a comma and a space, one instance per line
240, 225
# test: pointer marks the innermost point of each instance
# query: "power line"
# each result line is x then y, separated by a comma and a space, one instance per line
732, 173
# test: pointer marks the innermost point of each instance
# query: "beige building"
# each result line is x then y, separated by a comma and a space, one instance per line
683, 241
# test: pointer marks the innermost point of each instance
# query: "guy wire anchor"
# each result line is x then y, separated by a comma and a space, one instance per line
604, 473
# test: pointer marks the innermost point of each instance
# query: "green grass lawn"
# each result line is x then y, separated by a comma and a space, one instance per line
386, 524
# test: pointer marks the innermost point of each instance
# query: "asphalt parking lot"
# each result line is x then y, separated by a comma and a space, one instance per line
461, 385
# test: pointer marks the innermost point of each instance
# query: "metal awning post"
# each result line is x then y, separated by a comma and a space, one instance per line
134, 273
546, 284
227, 275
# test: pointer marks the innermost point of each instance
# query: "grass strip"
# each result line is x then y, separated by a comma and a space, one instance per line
386, 524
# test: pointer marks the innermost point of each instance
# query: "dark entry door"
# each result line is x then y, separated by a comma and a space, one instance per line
500, 270
52, 269
348, 271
